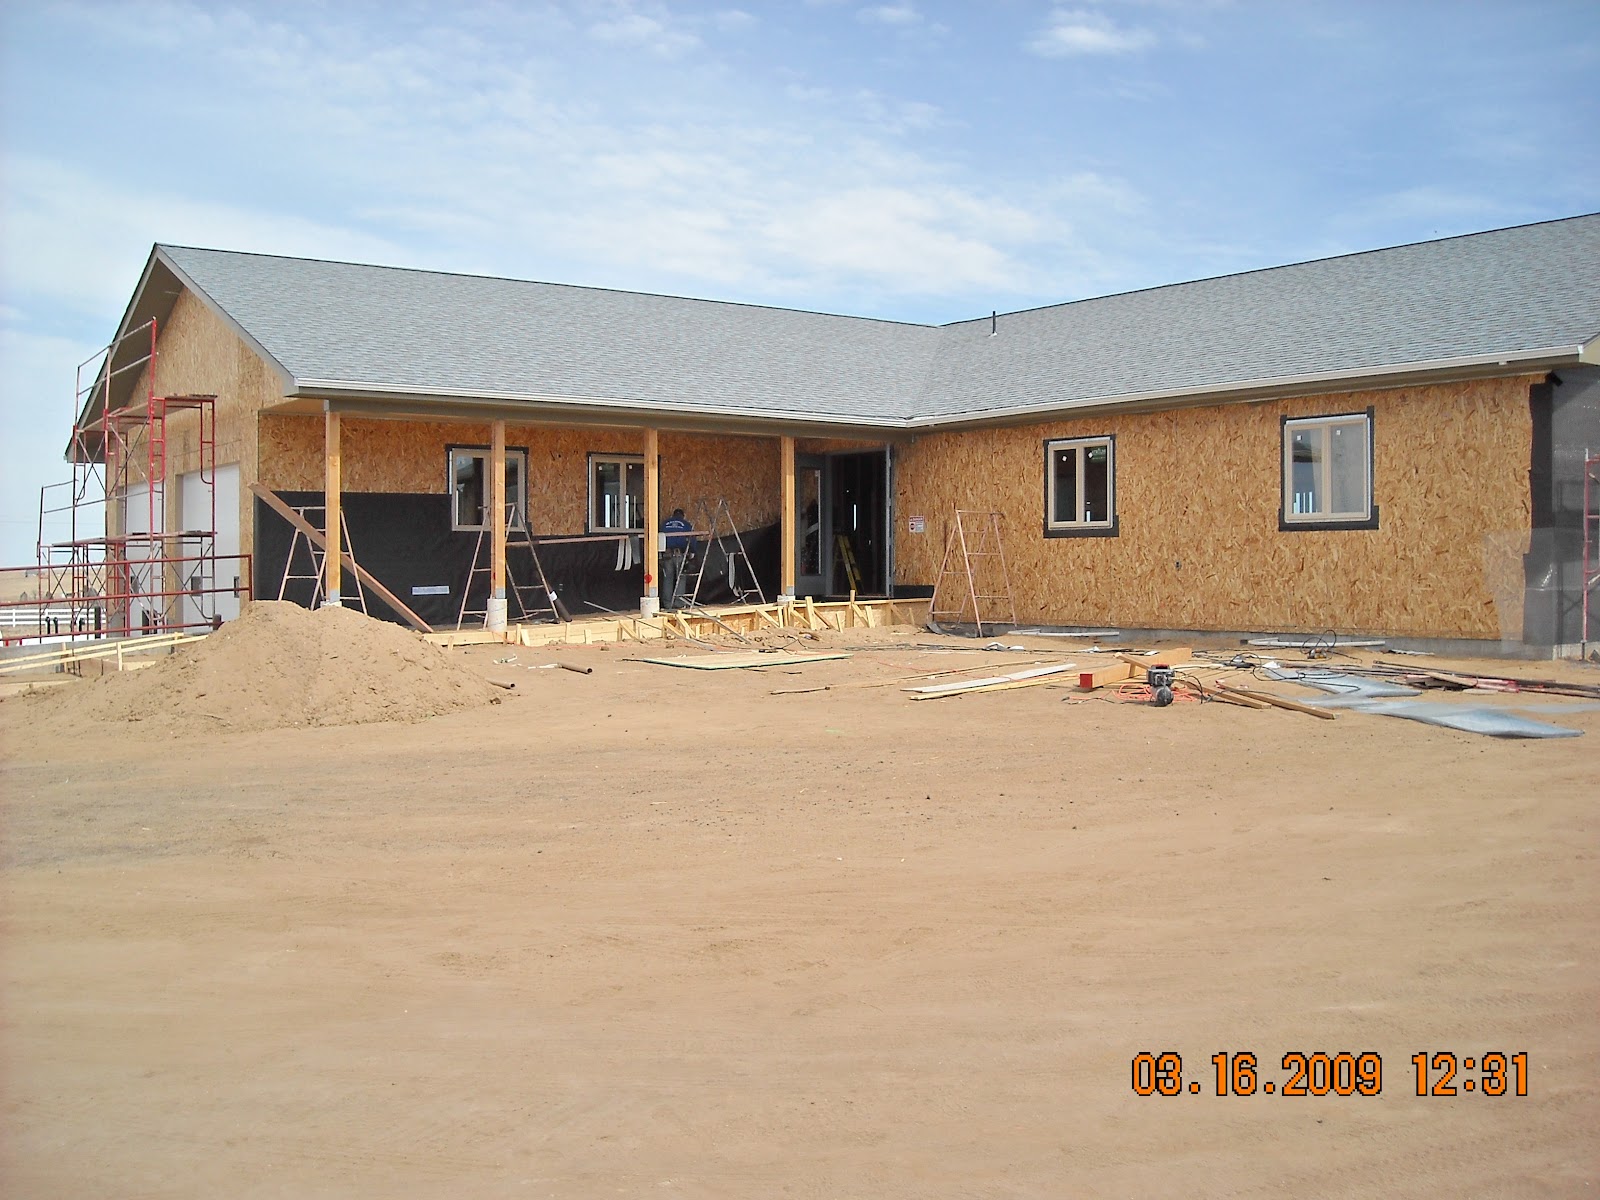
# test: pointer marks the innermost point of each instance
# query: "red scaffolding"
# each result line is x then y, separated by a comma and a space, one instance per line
120, 570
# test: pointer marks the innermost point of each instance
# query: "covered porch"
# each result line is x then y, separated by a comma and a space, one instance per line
471, 514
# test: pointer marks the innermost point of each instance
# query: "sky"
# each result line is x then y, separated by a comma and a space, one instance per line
912, 160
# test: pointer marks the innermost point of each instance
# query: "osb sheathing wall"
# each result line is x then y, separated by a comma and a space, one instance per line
410, 456
197, 354
1198, 498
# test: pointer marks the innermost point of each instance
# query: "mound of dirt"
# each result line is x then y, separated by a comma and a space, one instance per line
280, 665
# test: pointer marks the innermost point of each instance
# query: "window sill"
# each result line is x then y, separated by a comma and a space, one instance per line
1084, 531
1314, 526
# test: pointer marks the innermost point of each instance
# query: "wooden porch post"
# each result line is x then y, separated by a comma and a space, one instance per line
651, 601
333, 527
786, 521
495, 614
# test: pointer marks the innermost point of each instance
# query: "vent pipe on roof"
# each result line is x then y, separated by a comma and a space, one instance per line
994, 315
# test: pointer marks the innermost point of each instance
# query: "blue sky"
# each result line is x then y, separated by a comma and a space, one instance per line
915, 160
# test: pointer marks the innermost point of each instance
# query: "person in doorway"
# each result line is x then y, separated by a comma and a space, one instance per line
676, 527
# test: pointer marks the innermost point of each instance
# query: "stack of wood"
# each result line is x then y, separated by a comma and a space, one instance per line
1128, 669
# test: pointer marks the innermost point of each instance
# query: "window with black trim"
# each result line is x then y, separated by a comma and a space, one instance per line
469, 485
1327, 471
616, 492
1080, 486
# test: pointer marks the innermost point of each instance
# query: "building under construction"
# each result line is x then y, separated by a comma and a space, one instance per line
1392, 444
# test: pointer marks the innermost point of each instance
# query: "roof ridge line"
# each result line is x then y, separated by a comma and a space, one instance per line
584, 287
1308, 262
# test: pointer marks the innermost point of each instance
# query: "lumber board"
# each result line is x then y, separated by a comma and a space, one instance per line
1177, 656
1235, 698
652, 514
1277, 701
966, 685
1115, 673
1217, 692
874, 683
734, 662
332, 516
1004, 686
274, 502
787, 516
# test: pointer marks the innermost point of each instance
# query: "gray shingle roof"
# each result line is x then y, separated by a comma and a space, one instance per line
422, 331
386, 330
1483, 295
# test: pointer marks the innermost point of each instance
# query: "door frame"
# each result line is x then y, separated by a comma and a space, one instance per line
812, 584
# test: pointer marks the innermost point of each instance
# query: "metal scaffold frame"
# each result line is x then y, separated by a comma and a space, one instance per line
143, 578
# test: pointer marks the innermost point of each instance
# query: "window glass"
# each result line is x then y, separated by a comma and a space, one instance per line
467, 472
1328, 469
616, 492
1080, 485
1096, 483
470, 490
1306, 456
1347, 468
1066, 485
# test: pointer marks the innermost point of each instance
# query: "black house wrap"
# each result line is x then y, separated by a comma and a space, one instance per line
405, 541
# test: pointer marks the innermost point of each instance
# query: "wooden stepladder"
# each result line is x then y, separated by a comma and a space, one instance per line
316, 556
533, 599
714, 527
973, 578
847, 555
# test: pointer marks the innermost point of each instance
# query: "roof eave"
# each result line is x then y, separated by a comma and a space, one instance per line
1256, 390
370, 399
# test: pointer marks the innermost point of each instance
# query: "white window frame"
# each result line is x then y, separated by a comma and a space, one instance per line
1079, 523
1289, 517
624, 461
517, 496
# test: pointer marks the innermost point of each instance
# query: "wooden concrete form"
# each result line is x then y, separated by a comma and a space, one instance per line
718, 621
1198, 494
117, 649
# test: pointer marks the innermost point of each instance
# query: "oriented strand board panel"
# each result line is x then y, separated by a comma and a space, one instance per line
1198, 501
410, 456
197, 354
835, 446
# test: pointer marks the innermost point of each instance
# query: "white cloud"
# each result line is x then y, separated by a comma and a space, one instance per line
1071, 32
647, 33
73, 237
479, 149
902, 14
907, 240
36, 412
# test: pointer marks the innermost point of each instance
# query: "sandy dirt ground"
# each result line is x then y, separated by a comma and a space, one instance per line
652, 931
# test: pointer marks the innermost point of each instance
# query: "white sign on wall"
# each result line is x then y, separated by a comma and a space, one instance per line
918, 524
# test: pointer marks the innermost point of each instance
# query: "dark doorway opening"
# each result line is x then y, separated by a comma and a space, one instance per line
857, 533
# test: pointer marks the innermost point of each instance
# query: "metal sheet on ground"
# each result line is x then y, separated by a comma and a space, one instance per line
1487, 721
1338, 683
